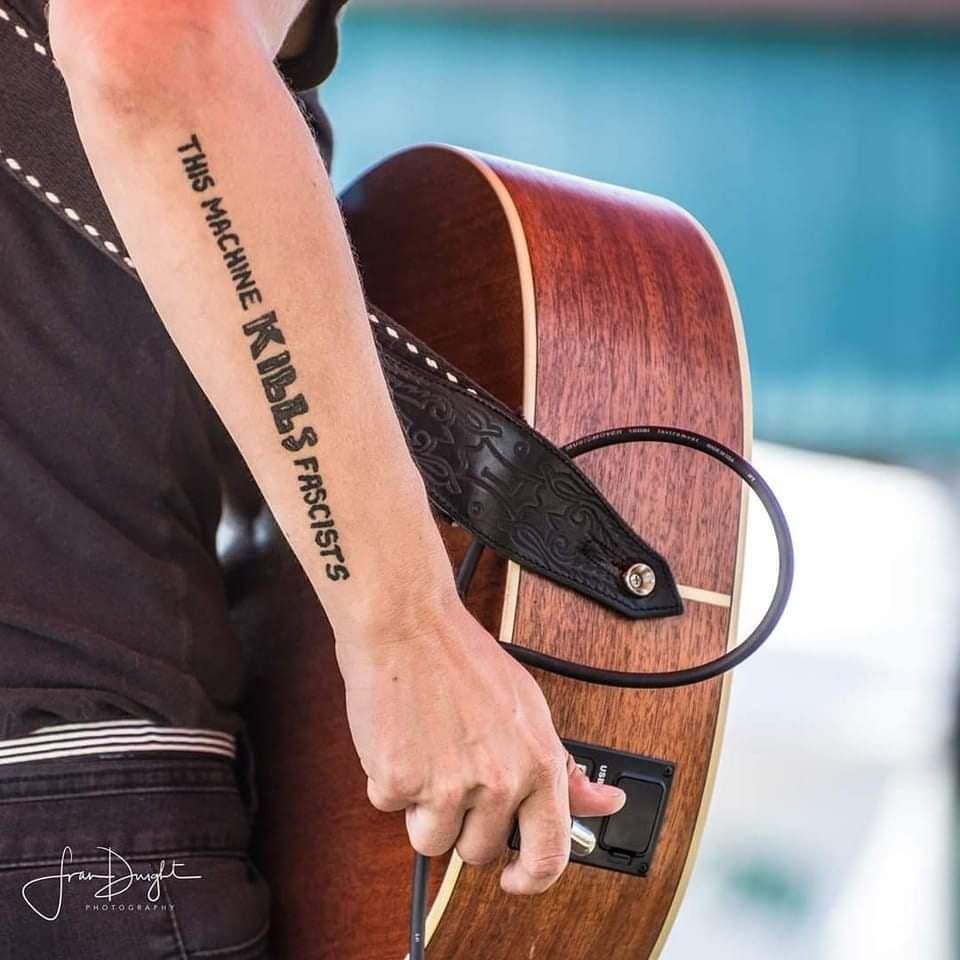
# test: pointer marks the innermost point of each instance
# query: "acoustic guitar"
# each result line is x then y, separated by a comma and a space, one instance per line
515, 310
581, 307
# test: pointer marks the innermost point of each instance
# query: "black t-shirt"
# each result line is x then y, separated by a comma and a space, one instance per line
112, 597
316, 62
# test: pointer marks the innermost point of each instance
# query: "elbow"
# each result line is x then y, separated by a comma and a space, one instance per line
118, 49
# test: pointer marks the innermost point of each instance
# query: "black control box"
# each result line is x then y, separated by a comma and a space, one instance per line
626, 841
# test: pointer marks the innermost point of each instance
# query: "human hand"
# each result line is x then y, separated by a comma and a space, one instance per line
450, 728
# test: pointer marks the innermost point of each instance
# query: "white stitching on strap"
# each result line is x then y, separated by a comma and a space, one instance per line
69, 212
51, 197
24, 33
413, 348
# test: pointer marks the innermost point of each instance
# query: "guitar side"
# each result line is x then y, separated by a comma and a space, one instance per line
586, 307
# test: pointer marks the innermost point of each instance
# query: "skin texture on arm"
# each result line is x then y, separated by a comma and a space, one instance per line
222, 199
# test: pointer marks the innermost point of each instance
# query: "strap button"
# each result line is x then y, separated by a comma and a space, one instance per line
640, 579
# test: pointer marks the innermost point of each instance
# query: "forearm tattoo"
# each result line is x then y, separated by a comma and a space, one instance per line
273, 361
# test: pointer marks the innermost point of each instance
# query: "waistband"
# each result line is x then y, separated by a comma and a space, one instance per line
147, 805
112, 737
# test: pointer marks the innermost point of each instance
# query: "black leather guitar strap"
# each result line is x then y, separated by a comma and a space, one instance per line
483, 466
488, 470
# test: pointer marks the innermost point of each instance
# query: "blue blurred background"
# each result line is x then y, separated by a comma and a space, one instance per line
822, 153
822, 158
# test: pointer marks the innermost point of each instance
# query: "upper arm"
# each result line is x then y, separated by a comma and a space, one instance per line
110, 38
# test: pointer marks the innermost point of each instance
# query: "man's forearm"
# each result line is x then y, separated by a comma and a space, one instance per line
221, 197
201, 154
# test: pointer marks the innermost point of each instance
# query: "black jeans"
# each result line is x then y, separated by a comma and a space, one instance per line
139, 856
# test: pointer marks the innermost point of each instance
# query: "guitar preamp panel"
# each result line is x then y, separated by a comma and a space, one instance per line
626, 841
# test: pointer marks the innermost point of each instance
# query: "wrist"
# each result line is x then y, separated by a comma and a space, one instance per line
396, 601
407, 612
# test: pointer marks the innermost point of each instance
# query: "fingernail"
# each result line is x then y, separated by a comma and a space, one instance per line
616, 792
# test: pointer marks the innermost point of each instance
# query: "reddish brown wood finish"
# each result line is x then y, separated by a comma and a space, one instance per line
633, 325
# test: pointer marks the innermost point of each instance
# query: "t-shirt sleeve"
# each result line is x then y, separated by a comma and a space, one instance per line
316, 62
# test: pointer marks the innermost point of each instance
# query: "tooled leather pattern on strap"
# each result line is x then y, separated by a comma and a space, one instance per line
483, 466
493, 474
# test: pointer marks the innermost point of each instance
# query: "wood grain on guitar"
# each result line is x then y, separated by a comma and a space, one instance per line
587, 307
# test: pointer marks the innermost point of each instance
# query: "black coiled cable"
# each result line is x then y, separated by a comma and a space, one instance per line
617, 678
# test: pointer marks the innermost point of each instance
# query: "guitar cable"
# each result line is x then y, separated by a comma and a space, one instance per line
627, 679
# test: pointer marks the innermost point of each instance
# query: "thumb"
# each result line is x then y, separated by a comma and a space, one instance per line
592, 799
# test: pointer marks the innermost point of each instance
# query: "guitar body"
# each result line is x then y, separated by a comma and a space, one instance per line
585, 307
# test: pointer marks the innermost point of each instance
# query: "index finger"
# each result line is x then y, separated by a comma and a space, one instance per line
544, 818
